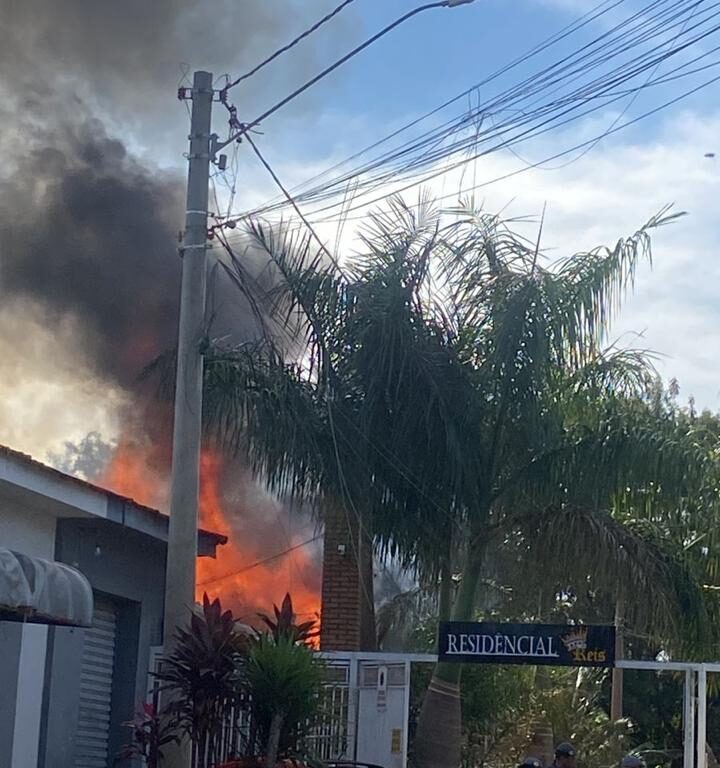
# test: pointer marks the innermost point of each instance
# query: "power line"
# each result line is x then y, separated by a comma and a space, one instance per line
325, 72
625, 109
533, 133
258, 563
547, 125
285, 48
463, 119
667, 18
591, 15
582, 144
290, 199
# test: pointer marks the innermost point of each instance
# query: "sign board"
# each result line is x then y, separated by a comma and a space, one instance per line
547, 644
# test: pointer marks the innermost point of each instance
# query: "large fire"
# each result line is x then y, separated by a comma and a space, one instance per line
254, 569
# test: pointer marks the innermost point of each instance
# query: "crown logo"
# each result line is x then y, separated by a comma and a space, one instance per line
576, 639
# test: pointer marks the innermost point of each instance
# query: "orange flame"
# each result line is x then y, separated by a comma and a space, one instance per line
253, 570
247, 577
130, 474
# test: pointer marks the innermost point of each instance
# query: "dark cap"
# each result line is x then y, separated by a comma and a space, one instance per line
530, 762
632, 761
564, 750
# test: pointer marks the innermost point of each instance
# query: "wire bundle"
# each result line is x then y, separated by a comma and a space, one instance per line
664, 42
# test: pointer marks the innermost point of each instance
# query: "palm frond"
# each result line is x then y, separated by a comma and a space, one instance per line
583, 545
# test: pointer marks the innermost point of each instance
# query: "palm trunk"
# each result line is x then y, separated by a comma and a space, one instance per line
542, 741
542, 738
439, 731
273, 740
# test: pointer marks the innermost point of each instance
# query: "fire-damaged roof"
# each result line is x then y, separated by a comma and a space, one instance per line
119, 509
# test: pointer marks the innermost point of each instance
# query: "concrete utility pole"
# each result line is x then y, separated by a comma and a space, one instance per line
185, 486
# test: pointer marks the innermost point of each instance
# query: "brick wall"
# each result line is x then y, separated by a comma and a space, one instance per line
347, 620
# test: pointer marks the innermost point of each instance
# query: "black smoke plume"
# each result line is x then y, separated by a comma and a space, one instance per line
89, 230
89, 217
86, 230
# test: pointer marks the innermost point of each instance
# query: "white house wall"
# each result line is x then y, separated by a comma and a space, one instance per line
32, 534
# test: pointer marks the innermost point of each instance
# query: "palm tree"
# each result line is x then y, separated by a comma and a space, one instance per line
562, 431
449, 390
339, 423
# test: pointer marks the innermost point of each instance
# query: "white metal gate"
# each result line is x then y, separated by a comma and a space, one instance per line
96, 676
330, 736
694, 703
375, 719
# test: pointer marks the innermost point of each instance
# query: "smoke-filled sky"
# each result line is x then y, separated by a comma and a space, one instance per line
92, 179
89, 209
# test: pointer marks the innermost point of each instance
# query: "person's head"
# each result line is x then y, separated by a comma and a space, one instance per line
530, 762
565, 756
632, 761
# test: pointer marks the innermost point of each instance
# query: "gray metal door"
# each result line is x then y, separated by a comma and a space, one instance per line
96, 676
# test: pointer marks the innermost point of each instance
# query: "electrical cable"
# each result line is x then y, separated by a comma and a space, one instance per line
656, 62
328, 70
582, 144
258, 563
631, 101
285, 48
549, 125
627, 34
279, 183
591, 15
550, 41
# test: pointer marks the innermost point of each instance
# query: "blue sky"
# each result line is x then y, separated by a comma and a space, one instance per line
415, 67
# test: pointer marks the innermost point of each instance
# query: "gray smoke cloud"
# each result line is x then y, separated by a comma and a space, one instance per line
125, 56
88, 229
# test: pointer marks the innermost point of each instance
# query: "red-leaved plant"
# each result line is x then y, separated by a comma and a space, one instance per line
151, 731
203, 679
284, 625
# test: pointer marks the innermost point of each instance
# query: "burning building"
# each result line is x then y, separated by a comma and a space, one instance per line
272, 546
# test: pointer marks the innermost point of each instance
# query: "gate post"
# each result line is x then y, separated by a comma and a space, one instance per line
689, 720
702, 717
353, 710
